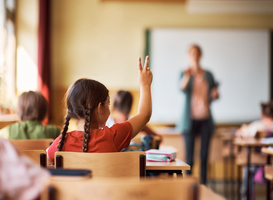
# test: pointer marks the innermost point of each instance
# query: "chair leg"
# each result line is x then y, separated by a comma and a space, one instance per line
51, 193
59, 161
43, 160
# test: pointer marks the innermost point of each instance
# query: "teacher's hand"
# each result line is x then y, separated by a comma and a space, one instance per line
214, 93
188, 72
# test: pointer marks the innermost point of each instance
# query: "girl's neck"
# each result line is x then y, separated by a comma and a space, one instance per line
81, 123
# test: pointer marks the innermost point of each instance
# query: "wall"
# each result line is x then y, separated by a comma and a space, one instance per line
102, 40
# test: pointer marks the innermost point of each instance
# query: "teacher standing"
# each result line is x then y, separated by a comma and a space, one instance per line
200, 89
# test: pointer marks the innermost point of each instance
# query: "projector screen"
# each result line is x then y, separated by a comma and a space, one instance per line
238, 59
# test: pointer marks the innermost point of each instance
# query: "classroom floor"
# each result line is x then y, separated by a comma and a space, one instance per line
260, 190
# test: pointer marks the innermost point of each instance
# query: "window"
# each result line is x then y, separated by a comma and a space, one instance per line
7, 57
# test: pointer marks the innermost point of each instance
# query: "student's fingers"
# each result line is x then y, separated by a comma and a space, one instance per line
146, 63
139, 64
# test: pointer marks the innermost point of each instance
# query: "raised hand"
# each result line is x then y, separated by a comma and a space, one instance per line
145, 75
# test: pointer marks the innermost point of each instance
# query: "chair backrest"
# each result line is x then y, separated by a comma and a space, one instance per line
118, 164
122, 188
38, 156
37, 144
257, 159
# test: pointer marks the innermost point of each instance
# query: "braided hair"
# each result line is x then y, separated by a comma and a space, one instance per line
81, 99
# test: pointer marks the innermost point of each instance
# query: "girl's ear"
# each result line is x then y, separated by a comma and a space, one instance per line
100, 108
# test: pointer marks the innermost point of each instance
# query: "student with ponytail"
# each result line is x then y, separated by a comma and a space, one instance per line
88, 102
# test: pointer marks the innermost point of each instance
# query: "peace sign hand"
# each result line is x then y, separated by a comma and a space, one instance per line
145, 76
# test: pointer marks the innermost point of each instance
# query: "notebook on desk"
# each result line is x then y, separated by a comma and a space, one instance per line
160, 155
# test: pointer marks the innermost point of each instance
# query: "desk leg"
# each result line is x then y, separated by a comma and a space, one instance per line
232, 170
225, 178
268, 190
248, 172
268, 195
239, 182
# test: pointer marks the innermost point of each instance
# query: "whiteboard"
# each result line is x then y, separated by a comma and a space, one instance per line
238, 59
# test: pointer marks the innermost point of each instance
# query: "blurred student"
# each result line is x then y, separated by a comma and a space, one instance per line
121, 109
199, 88
265, 124
259, 128
32, 109
20, 178
88, 102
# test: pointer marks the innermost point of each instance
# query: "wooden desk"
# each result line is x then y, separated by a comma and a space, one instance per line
249, 143
176, 166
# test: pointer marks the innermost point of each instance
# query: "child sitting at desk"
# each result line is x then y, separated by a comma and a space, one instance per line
254, 129
265, 124
32, 109
88, 102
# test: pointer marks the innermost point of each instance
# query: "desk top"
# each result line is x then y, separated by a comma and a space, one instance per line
251, 142
174, 165
267, 151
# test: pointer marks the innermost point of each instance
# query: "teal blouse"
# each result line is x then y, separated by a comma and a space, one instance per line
185, 124
29, 130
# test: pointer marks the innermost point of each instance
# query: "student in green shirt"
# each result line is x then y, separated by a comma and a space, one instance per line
32, 109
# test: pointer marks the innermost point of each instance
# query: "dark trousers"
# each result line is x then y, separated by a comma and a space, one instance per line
201, 127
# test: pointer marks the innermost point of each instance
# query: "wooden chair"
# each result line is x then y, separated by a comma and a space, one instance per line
257, 159
119, 164
38, 156
37, 144
124, 188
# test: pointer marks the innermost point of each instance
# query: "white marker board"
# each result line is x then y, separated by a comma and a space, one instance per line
238, 59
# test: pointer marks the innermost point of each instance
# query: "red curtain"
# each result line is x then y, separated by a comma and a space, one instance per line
44, 51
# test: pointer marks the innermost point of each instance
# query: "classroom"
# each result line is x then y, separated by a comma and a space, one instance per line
53, 50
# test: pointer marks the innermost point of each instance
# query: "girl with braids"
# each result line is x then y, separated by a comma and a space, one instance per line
122, 105
88, 102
